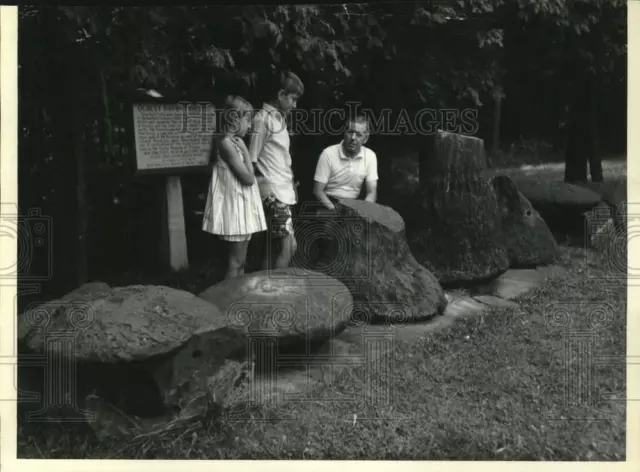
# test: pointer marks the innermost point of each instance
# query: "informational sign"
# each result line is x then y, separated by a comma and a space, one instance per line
173, 137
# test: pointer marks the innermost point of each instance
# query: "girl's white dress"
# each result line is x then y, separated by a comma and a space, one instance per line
233, 211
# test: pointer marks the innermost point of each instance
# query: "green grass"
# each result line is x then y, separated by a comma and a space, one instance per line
490, 387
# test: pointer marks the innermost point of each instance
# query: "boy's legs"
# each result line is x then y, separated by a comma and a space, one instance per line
280, 242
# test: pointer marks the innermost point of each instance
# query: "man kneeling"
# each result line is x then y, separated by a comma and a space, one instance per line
341, 172
343, 168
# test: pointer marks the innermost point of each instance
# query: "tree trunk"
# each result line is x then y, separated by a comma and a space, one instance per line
454, 222
575, 164
582, 140
595, 158
575, 169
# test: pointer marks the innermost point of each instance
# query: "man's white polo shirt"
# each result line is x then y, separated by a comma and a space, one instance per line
343, 175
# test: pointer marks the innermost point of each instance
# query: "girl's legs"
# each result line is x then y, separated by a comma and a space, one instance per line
237, 258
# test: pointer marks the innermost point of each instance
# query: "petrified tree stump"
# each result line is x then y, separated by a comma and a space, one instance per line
527, 237
454, 218
368, 252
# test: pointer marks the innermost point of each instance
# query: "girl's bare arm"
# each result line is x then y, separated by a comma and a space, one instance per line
238, 167
246, 157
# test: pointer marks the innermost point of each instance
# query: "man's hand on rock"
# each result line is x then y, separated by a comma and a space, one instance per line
327, 210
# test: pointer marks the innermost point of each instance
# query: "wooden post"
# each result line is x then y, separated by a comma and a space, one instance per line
174, 227
161, 129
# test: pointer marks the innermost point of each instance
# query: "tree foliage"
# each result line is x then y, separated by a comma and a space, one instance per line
83, 63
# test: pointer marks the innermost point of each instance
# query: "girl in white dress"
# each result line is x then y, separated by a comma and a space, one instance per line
233, 211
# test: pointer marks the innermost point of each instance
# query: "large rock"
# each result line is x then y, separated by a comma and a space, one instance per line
368, 252
287, 305
555, 196
613, 190
562, 205
528, 240
149, 350
37, 317
123, 324
52, 389
453, 220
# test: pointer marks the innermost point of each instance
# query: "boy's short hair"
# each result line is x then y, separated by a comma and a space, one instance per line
231, 109
287, 81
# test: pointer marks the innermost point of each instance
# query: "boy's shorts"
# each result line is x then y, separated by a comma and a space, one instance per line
278, 216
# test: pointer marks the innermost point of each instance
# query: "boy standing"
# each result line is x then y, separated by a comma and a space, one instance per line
269, 150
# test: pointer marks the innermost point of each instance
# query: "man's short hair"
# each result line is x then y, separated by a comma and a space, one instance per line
358, 118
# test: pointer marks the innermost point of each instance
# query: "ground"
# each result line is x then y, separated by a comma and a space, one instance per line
489, 387
497, 386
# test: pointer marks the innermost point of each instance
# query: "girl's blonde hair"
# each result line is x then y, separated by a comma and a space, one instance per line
232, 109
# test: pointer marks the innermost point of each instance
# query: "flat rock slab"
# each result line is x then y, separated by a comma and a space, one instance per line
545, 192
494, 302
507, 289
515, 282
120, 324
613, 190
464, 306
288, 304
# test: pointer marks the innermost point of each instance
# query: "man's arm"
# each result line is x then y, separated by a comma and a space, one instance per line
319, 191
372, 178
372, 191
257, 136
320, 180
